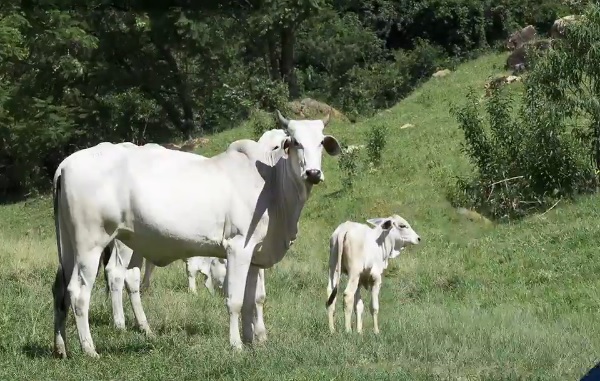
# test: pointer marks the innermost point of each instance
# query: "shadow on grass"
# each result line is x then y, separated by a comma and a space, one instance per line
9, 199
35, 350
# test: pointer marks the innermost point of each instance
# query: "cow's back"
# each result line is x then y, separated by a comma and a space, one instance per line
187, 205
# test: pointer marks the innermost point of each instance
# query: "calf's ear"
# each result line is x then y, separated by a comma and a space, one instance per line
386, 225
375, 221
331, 145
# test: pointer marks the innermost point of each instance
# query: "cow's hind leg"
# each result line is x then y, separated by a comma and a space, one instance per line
260, 330
115, 276
132, 282
59, 291
80, 290
61, 302
238, 265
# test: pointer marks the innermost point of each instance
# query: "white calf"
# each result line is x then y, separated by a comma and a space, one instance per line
212, 267
362, 253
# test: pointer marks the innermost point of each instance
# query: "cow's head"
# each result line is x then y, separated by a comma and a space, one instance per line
304, 144
399, 230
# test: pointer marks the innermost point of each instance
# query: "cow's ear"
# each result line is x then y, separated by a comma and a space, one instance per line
331, 145
286, 143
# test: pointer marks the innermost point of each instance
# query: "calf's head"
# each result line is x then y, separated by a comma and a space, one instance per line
304, 144
399, 230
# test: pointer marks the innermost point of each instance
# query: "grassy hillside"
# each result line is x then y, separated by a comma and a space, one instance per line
473, 302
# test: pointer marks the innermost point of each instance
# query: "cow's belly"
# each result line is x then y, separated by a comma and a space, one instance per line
162, 250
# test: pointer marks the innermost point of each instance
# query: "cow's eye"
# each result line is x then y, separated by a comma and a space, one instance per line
402, 226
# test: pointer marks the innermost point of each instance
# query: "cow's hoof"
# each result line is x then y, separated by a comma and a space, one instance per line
261, 337
59, 353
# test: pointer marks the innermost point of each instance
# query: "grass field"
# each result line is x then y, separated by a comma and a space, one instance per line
472, 302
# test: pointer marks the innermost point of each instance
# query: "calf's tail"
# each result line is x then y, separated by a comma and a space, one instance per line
339, 246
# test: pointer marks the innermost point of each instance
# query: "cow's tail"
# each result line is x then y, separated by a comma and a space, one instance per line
106, 253
337, 244
57, 186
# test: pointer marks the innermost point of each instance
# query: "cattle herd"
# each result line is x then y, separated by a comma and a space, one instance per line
229, 216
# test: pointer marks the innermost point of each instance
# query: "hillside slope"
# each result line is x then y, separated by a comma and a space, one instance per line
473, 302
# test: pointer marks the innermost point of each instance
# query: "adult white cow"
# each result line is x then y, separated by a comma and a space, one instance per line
271, 140
243, 204
363, 253
121, 266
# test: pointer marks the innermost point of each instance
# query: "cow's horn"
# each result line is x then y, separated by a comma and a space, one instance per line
282, 120
326, 119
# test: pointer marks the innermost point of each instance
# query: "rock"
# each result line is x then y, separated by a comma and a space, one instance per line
473, 215
187, 146
441, 73
311, 108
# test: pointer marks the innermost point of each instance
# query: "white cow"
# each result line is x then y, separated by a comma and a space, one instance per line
363, 253
125, 268
243, 204
271, 140
120, 269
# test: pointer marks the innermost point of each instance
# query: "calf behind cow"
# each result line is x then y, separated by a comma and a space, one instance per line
363, 253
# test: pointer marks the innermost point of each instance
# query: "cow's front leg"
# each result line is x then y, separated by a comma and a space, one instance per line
260, 331
249, 307
238, 264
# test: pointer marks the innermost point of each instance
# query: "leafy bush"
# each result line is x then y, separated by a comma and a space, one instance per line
349, 164
376, 139
260, 121
551, 149
523, 162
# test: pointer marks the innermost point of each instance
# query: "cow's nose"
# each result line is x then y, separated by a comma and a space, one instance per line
313, 175
418, 239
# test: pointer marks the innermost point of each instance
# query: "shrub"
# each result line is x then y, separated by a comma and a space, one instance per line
523, 162
376, 139
349, 164
259, 122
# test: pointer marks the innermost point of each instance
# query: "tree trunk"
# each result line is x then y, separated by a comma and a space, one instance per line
272, 57
286, 65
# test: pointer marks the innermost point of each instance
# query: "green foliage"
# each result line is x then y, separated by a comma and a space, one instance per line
551, 149
259, 122
349, 165
110, 73
376, 139
524, 162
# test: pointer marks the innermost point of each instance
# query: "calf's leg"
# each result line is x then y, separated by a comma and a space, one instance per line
375, 302
132, 282
191, 273
349, 292
358, 309
260, 331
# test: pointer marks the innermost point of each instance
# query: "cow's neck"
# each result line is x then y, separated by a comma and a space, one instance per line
290, 193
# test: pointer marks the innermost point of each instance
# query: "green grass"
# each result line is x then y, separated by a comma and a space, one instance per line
473, 302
